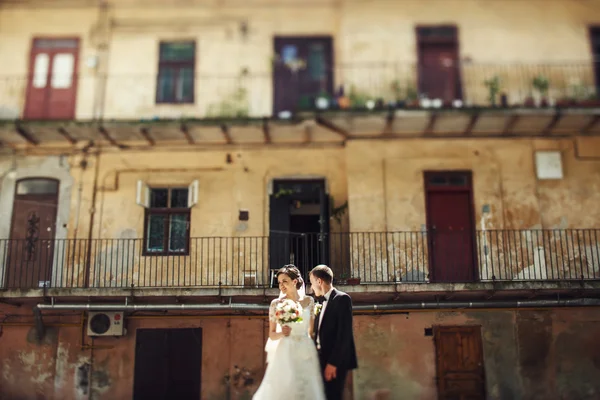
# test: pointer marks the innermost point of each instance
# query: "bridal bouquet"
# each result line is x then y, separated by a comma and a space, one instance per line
288, 311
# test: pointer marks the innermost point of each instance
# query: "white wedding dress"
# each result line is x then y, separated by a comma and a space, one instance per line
293, 369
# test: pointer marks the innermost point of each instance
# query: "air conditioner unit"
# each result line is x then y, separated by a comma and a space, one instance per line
105, 324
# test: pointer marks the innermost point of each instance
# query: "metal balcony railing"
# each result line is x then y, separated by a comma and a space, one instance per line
361, 86
249, 262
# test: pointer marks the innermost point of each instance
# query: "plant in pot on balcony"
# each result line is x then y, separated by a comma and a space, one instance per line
398, 101
493, 86
323, 101
542, 84
357, 100
353, 281
412, 97
342, 279
592, 101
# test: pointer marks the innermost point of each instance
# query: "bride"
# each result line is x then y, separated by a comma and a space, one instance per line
293, 370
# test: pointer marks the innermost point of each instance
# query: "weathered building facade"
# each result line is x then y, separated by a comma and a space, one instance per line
159, 161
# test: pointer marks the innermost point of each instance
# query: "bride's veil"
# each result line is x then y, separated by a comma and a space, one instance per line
271, 345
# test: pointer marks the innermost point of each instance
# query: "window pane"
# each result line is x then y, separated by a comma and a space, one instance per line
185, 85
289, 54
159, 198
62, 70
179, 198
37, 186
178, 233
166, 85
438, 180
183, 51
460, 180
55, 43
156, 233
316, 61
40, 70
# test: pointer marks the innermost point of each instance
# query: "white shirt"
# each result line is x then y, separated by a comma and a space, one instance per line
327, 295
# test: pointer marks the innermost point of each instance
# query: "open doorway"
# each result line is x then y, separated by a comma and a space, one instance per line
299, 224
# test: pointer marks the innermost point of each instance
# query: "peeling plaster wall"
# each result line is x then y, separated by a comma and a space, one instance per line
546, 354
527, 354
386, 193
385, 181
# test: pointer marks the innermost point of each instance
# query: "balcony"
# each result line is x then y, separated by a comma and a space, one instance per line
362, 260
391, 100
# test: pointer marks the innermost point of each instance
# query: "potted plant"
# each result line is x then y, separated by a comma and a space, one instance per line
342, 100
592, 101
412, 97
342, 279
542, 84
357, 99
322, 102
397, 93
353, 281
565, 102
493, 85
529, 101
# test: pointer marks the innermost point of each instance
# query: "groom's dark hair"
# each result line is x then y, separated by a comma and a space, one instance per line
323, 272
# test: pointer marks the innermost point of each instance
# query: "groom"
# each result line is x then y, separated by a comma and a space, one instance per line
333, 332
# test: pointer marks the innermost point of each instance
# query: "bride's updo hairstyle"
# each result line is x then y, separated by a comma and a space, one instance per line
293, 272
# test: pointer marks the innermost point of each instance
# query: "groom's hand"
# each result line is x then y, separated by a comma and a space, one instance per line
330, 372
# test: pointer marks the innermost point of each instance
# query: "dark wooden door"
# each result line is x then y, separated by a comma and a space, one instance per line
438, 70
31, 250
595, 42
302, 70
451, 228
459, 362
52, 86
168, 364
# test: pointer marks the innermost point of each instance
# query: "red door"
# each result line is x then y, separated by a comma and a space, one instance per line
439, 74
52, 86
31, 250
459, 362
451, 226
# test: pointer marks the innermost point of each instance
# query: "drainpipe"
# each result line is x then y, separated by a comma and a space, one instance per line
584, 302
88, 258
154, 307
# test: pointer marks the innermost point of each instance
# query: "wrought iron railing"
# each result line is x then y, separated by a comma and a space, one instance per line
363, 86
367, 257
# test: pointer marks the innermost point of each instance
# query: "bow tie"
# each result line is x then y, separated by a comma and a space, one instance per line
320, 299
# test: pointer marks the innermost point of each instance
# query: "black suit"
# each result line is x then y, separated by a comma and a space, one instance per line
337, 341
